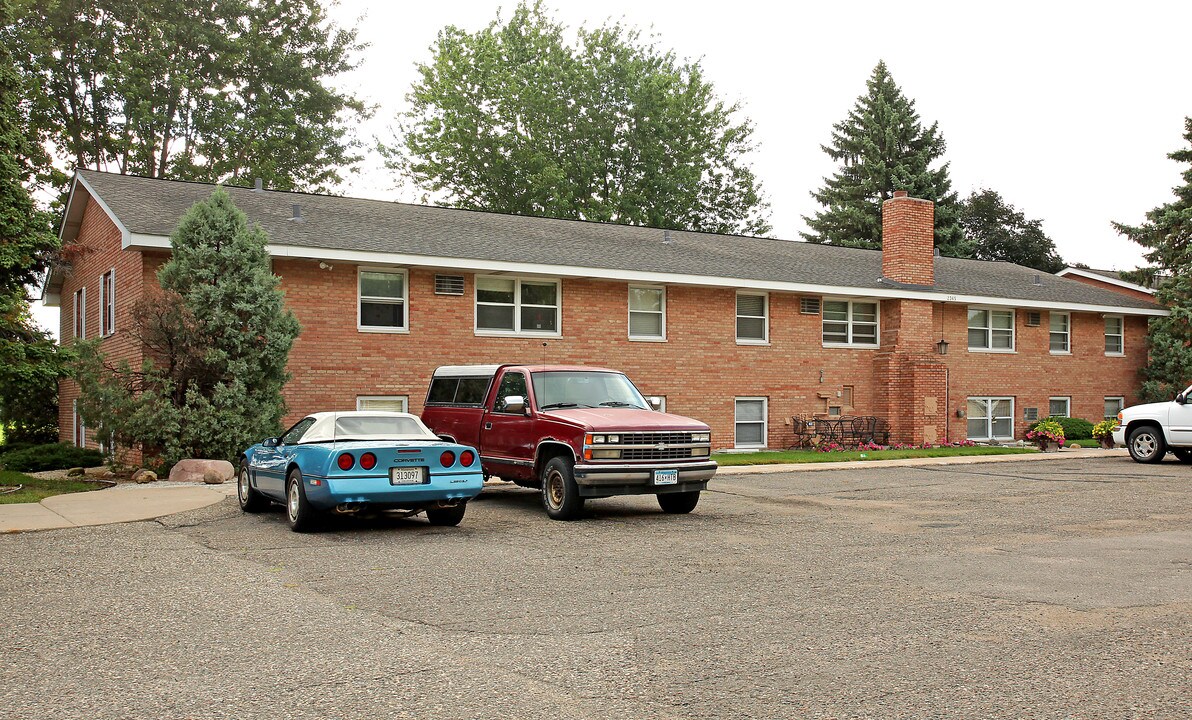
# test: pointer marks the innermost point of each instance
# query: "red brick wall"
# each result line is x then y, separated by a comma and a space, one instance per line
1137, 294
95, 252
701, 368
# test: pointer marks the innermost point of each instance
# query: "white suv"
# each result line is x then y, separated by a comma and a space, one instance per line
1149, 431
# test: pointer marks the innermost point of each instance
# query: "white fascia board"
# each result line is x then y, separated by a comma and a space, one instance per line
125, 235
566, 271
1105, 279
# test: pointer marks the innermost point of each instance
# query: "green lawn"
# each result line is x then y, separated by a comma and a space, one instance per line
36, 488
811, 456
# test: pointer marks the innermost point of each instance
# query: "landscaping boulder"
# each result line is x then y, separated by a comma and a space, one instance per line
143, 476
99, 473
197, 470
76, 472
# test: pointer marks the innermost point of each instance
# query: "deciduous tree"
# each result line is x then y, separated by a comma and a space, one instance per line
29, 362
882, 146
1167, 237
517, 119
208, 90
998, 231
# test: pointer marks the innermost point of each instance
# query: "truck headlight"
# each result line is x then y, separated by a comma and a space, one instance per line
598, 439
701, 437
606, 454
700, 452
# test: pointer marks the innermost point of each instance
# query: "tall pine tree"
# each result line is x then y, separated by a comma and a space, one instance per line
218, 337
882, 147
1167, 237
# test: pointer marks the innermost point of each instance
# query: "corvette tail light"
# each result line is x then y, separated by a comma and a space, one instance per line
368, 461
447, 459
346, 461
466, 458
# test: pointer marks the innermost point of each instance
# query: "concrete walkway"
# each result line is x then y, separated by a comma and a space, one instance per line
130, 502
123, 503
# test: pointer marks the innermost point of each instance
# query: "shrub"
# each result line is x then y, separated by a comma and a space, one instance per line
1074, 428
56, 456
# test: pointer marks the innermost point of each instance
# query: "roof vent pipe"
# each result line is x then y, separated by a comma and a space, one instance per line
666, 237
1038, 279
297, 216
259, 186
936, 252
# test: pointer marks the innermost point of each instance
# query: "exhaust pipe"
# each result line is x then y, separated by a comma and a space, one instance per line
348, 508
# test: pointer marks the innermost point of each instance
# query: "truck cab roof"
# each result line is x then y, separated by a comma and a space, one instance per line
491, 370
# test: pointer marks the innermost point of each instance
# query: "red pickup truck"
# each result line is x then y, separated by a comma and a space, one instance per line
574, 432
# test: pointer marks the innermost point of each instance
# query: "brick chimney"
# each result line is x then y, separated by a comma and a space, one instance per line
908, 240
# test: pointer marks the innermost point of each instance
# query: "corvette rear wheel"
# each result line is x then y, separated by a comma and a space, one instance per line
301, 515
251, 501
449, 516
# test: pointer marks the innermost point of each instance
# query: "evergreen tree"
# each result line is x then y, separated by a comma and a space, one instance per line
515, 118
1167, 237
218, 337
882, 147
29, 362
998, 231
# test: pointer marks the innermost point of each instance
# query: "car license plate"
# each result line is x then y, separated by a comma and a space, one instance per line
406, 475
666, 477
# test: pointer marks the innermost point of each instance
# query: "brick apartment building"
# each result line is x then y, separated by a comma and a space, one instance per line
740, 332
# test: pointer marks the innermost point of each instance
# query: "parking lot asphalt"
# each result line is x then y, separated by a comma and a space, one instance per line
1040, 590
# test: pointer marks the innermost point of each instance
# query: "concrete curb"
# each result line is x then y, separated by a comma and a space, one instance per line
912, 462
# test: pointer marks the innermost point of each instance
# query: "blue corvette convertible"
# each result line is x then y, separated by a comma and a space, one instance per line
347, 462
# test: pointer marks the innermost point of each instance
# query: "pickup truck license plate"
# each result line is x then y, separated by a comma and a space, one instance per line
406, 475
666, 477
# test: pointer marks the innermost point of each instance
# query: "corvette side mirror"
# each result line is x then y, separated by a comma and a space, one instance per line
1181, 399
271, 442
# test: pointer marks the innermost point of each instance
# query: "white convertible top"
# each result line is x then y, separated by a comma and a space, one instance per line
366, 425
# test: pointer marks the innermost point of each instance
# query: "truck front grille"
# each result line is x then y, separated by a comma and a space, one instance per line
651, 453
654, 438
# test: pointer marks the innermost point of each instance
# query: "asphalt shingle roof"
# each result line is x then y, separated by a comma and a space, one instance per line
154, 207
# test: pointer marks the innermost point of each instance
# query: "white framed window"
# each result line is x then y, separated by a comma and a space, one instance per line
78, 429
990, 330
1059, 407
381, 300
1061, 333
387, 403
1113, 406
506, 306
1114, 336
647, 313
107, 303
990, 418
80, 313
749, 422
850, 322
753, 322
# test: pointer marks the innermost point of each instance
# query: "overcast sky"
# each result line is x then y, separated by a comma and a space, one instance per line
1067, 109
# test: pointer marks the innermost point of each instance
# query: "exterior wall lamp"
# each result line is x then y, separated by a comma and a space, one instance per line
941, 347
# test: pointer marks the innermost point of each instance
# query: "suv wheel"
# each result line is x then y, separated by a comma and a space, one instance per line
1146, 444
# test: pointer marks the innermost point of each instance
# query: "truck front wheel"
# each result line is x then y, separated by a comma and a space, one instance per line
678, 503
560, 494
1146, 444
